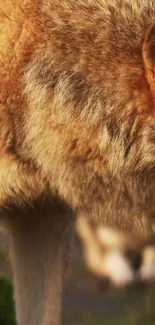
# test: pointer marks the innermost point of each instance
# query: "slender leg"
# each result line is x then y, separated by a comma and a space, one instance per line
38, 252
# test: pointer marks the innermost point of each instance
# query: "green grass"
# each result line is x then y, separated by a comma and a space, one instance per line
7, 313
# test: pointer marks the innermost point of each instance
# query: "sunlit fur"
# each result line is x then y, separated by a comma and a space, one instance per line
77, 128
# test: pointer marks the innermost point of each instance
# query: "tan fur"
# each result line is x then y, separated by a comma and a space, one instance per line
77, 128
111, 253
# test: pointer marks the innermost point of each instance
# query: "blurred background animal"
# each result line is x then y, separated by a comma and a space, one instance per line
109, 253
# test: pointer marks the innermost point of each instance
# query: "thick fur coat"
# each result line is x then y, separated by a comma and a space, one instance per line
77, 121
77, 105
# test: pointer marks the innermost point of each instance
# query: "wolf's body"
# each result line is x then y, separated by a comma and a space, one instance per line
77, 133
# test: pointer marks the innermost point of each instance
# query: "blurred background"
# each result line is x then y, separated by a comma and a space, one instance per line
98, 292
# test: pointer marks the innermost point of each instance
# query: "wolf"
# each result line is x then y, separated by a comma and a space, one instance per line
77, 135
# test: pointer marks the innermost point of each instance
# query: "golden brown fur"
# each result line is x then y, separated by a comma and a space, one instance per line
77, 122
113, 254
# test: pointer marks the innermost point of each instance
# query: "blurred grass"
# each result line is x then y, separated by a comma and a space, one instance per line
146, 316
96, 319
7, 312
93, 319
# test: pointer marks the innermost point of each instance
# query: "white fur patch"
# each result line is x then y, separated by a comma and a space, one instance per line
119, 269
